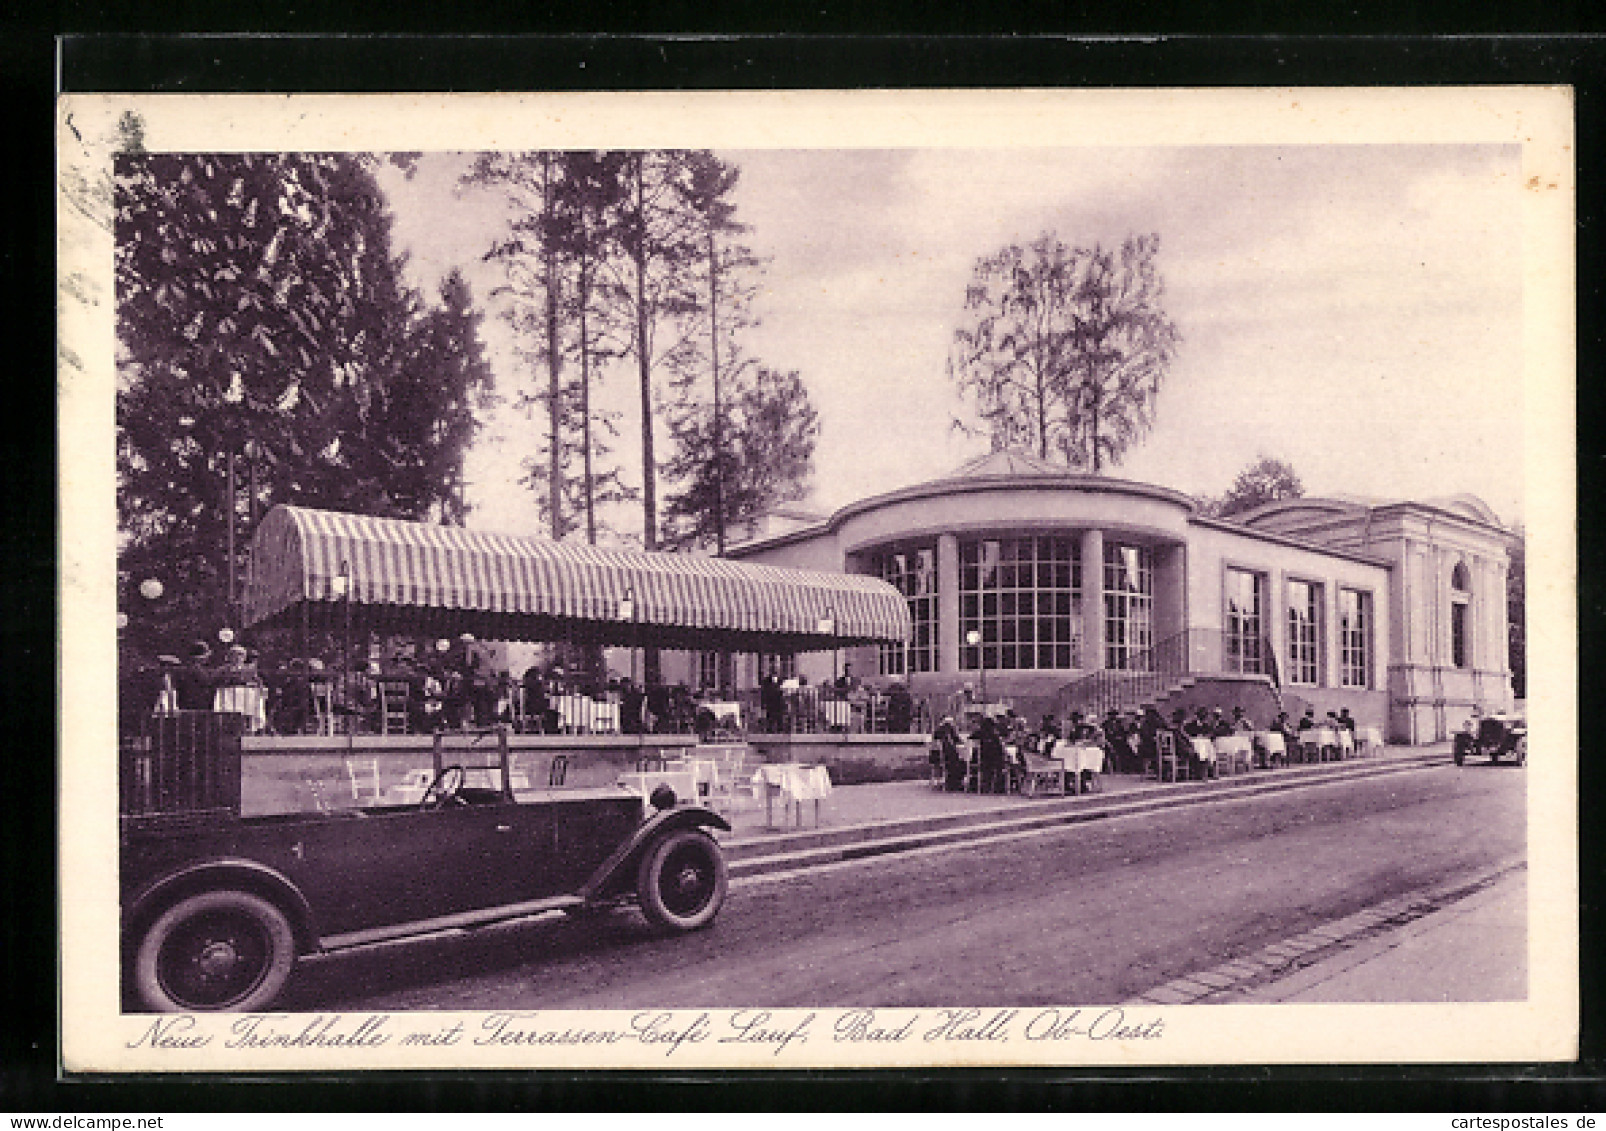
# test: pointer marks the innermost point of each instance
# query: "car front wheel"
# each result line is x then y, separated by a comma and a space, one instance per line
217, 950
682, 881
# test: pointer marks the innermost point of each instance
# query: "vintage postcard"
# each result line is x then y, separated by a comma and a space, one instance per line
879, 578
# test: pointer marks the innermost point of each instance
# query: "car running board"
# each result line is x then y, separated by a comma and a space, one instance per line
463, 921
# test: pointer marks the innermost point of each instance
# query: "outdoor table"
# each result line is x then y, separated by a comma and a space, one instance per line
725, 713
1346, 743
243, 699
1231, 746
1370, 738
1271, 742
704, 772
643, 782
795, 784
588, 715
1203, 749
837, 713
1077, 758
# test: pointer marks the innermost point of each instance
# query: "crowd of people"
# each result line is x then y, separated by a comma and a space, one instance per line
1001, 747
791, 704
440, 691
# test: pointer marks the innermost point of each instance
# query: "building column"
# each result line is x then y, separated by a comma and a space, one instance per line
1092, 600
948, 604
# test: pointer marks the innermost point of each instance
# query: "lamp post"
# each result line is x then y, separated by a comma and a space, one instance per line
973, 638
627, 612
340, 587
827, 627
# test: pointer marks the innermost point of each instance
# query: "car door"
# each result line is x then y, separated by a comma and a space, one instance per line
360, 871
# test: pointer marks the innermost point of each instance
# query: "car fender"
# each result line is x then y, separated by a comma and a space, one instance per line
226, 872
618, 872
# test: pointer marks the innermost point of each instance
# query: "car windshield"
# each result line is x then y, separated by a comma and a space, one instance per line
327, 783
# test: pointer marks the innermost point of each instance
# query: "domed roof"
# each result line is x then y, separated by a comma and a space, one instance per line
1011, 462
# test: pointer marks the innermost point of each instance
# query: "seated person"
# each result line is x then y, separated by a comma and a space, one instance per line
1346, 720
952, 755
1219, 726
990, 752
1242, 722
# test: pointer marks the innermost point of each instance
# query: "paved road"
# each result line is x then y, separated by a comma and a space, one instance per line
1089, 914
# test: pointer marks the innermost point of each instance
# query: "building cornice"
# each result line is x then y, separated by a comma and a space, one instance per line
1292, 541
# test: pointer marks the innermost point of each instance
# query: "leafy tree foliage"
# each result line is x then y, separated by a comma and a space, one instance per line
559, 244
711, 370
261, 315
759, 454
1064, 349
1264, 481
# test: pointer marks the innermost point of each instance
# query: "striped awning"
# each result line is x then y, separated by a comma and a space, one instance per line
420, 577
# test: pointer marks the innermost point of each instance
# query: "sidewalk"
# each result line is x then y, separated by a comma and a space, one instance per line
1485, 932
880, 817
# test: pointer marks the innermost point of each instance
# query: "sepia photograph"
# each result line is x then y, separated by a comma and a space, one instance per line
817, 579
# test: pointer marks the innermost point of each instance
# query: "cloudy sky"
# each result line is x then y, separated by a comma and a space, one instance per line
1355, 310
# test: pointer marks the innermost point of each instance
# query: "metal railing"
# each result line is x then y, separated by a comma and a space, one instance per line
1155, 671
825, 710
181, 762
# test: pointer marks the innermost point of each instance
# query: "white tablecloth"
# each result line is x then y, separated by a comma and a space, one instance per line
1203, 749
1079, 758
837, 713
796, 782
243, 699
1369, 736
1234, 744
704, 772
1272, 742
1325, 736
727, 714
591, 715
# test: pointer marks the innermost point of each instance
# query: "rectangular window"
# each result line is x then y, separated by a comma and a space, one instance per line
1458, 634
1022, 597
914, 574
1355, 638
1243, 631
781, 665
712, 669
1128, 606
1304, 632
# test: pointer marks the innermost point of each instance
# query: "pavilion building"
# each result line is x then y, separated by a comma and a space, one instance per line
1029, 581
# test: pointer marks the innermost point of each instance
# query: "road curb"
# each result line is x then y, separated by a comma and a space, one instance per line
1229, 980
756, 856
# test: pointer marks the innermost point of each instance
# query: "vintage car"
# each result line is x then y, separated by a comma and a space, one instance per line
1494, 736
217, 908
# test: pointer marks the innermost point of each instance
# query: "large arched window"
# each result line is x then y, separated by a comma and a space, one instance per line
1460, 616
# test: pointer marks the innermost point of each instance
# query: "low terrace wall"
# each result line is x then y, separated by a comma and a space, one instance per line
851, 758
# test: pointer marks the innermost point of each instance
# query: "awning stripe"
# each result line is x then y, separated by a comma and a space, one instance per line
519, 584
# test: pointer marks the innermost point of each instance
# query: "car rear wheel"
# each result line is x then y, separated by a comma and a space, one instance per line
217, 950
682, 881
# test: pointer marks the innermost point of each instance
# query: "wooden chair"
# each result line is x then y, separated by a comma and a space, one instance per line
1310, 746
1042, 775
1167, 743
321, 693
393, 694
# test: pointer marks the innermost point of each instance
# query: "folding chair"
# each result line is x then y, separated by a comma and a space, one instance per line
1167, 743
393, 706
